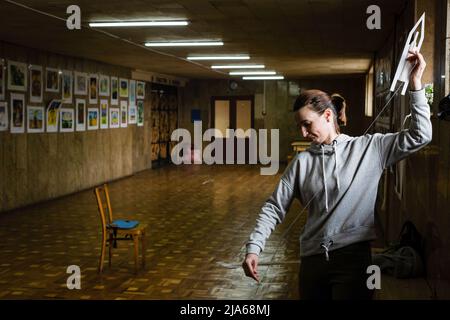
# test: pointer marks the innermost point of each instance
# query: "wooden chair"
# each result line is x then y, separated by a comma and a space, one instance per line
114, 230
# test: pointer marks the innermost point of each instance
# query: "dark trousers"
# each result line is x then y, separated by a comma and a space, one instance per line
344, 276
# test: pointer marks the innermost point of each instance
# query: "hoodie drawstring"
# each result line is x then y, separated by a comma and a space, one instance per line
336, 174
327, 248
336, 165
324, 178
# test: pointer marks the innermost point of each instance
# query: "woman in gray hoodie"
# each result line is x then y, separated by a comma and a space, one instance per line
338, 177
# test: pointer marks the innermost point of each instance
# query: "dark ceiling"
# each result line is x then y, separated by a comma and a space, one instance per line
293, 37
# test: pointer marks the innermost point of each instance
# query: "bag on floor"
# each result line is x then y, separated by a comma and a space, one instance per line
405, 262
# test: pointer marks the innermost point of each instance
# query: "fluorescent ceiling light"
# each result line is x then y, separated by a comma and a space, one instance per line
264, 78
184, 44
248, 66
139, 23
219, 58
242, 73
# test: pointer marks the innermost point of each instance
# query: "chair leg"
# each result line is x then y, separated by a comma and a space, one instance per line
102, 254
111, 239
143, 248
136, 252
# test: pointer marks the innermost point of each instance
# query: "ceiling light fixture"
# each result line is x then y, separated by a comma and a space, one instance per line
264, 78
183, 44
242, 73
138, 24
219, 58
249, 66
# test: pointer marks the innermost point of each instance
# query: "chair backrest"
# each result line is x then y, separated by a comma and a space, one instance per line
104, 205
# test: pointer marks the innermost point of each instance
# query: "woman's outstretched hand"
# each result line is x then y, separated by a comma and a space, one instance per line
416, 58
250, 266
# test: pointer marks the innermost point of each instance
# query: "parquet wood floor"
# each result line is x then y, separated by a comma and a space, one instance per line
197, 217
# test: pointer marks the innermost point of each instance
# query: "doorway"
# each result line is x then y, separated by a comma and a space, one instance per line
233, 112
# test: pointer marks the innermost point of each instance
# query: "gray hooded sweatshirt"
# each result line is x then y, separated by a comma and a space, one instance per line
343, 177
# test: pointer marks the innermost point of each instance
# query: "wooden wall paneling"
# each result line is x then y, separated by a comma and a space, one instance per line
124, 148
34, 164
8, 169
78, 159
3, 135
20, 172
41, 166
2, 170
90, 158
115, 154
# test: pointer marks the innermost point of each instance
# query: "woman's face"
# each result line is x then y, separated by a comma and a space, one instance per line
313, 126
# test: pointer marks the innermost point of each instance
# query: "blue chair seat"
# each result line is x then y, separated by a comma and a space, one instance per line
124, 224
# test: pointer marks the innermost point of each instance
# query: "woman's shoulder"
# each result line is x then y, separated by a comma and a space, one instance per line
371, 138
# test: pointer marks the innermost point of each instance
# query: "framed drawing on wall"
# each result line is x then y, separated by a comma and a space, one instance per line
17, 113
132, 117
67, 123
80, 107
35, 119
132, 92
92, 117
123, 114
93, 89
66, 83
114, 91
80, 83
103, 114
140, 113
123, 88
51, 80
104, 86
140, 89
3, 116
17, 76
52, 116
36, 85
2, 79
114, 118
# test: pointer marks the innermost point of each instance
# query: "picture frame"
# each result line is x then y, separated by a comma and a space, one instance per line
52, 115
114, 118
132, 92
36, 85
35, 119
80, 114
80, 83
114, 91
92, 118
93, 89
66, 86
103, 86
140, 90
2, 79
17, 120
51, 80
140, 113
3, 116
123, 88
123, 113
132, 114
104, 114
383, 70
67, 121
17, 76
